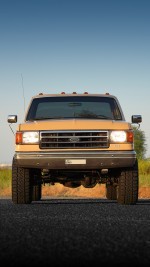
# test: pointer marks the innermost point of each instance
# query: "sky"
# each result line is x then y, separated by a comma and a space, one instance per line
52, 46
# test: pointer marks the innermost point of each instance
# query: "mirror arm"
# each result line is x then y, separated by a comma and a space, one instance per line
11, 129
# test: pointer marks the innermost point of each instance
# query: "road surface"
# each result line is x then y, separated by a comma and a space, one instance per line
75, 232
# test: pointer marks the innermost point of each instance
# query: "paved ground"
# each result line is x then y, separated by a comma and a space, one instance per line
73, 232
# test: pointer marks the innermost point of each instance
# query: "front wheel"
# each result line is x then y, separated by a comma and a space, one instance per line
128, 186
21, 185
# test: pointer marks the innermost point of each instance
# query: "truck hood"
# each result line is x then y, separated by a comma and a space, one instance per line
74, 124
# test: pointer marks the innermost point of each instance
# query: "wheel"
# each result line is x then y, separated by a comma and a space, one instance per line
21, 185
128, 186
36, 194
111, 192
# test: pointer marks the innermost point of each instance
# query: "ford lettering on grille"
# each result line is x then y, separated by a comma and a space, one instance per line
74, 139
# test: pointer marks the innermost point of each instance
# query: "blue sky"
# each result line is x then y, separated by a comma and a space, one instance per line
73, 45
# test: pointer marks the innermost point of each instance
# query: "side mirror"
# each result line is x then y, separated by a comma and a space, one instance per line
136, 118
12, 119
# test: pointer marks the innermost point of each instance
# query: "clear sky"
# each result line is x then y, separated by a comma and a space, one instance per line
51, 46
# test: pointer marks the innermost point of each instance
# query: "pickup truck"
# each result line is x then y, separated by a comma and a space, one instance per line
75, 140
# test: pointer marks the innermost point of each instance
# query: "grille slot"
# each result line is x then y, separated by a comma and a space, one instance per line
73, 139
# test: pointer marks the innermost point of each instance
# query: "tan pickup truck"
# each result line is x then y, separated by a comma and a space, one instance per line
75, 139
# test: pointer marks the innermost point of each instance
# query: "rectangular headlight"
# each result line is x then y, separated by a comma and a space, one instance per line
122, 136
30, 137
118, 136
27, 137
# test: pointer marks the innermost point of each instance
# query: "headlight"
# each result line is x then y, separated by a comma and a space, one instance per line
27, 137
118, 136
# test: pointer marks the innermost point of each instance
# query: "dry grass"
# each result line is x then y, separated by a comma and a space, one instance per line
59, 190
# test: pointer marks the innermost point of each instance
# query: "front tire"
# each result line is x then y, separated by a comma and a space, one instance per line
21, 185
128, 186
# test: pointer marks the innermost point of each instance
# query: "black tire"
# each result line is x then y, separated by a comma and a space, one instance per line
21, 185
111, 192
128, 186
37, 192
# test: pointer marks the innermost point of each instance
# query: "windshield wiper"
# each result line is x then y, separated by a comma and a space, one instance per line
47, 118
104, 117
94, 116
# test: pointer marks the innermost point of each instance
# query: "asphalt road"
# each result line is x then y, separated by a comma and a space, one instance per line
75, 232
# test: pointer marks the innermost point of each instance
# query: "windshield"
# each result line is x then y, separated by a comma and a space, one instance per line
74, 107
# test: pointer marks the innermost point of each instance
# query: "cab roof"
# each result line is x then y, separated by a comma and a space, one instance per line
63, 94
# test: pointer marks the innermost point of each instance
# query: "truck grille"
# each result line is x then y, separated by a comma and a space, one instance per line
74, 139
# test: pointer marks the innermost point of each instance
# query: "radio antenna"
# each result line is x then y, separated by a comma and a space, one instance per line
23, 91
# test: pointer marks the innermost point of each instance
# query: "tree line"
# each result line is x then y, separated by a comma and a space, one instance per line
140, 145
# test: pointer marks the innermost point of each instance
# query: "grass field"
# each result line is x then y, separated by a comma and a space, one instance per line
5, 179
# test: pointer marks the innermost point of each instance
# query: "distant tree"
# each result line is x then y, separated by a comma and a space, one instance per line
139, 143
